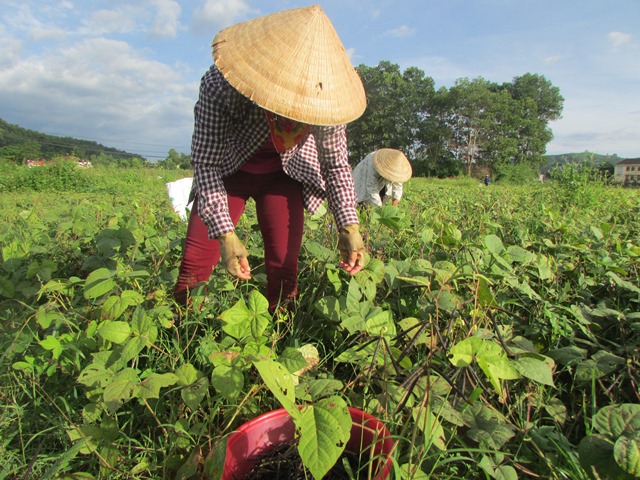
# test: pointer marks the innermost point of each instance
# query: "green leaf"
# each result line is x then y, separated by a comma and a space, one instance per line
493, 244
114, 306
328, 308
519, 254
99, 283
413, 472
150, 386
505, 472
600, 364
623, 283
228, 381
485, 295
354, 295
120, 388
280, 381
215, 459
115, 331
463, 352
487, 427
626, 451
52, 344
568, 356
187, 374
446, 301
323, 387
319, 252
325, 428
292, 359
132, 348
194, 385
7, 288
76, 476
380, 323
247, 319
497, 368
544, 268
353, 323
618, 420
557, 410
414, 331
596, 456
142, 325
430, 426
62, 462
258, 306
94, 375
536, 367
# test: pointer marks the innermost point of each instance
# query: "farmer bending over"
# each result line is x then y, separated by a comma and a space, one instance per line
380, 176
270, 125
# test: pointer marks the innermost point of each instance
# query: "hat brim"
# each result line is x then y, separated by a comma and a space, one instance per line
293, 64
392, 165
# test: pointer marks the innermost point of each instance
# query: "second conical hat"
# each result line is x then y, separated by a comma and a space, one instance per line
392, 164
293, 64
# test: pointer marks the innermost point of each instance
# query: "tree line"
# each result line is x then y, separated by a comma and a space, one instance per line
475, 123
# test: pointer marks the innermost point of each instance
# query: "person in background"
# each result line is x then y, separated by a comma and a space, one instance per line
487, 180
270, 124
380, 176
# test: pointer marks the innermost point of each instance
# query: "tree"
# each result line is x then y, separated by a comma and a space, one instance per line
536, 102
397, 107
474, 123
497, 125
471, 119
20, 153
175, 160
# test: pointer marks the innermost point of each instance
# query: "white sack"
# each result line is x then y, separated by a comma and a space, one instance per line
179, 195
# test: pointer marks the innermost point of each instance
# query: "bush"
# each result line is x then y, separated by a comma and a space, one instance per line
58, 176
514, 174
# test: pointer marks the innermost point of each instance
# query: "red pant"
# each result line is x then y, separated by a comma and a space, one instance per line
280, 211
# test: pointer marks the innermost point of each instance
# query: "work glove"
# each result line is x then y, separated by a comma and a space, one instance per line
351, 248
233, 255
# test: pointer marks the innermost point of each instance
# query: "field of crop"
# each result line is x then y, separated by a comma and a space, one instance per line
495, 331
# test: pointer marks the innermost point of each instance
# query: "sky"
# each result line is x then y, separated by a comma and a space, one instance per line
126, 73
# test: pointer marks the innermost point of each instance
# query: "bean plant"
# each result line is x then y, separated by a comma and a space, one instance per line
495, 331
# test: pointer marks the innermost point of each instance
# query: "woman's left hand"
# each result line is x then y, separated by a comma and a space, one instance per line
351, 248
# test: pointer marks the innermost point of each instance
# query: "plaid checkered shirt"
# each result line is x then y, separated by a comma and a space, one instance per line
229, 129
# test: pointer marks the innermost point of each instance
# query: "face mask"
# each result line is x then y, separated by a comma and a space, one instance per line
286, 133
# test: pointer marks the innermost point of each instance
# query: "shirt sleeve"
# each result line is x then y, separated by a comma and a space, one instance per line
331, 143
396, 190
212, 122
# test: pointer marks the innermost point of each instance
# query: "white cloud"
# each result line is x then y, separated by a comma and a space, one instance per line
215, 14
619, 38
167, 19
551, 59
401, 32
99, 89
105, 22
10, 49
443, 70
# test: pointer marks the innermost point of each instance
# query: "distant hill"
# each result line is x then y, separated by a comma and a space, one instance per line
592, 158
18, 141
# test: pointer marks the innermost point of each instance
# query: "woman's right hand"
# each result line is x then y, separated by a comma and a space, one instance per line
233, 256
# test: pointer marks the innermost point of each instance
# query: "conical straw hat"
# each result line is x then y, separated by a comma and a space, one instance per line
392, 165
293, 64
